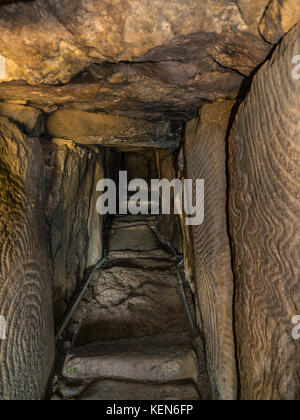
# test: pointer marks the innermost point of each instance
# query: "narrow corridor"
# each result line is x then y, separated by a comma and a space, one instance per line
132, 336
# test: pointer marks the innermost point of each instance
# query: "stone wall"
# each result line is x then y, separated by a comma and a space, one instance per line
27, 355
75, 228
264, 219
205, 149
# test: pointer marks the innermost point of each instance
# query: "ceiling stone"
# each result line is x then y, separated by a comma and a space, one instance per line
149, 59
108, 130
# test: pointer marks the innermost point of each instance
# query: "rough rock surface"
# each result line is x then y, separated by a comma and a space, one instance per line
206, 159
264, 218
74, 224
25, 116
66, 36
108, 130
280, 16
130, 56
26, 356
125, 303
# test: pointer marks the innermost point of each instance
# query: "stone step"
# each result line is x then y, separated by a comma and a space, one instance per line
130, 302
131, 239
132, 236
115, 390
157, 258
160, 358
129, 218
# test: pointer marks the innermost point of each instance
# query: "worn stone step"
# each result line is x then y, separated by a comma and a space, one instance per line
132, 236
130, 302
130, 218
165, 357
156, 259
115, 390
131, 239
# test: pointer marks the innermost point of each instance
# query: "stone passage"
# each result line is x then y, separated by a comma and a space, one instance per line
131, 337
168, 90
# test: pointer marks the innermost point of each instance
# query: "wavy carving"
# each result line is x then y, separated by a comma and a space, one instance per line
206, 158
26, 356
265, 226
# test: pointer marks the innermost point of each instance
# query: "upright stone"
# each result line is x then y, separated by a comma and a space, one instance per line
27, 353
206, 159
75, 225
264, 218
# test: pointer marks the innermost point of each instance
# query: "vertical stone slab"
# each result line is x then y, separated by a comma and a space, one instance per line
265, 226
206, 159
169, 225
75, 227
27, 353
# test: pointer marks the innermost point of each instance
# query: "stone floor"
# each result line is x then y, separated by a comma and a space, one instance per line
130, 338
